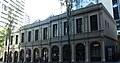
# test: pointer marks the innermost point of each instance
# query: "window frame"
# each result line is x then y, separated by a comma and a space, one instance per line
36, 34
96, 25
55, 30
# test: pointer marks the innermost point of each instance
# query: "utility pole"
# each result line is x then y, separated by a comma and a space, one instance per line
68, 9
9, 33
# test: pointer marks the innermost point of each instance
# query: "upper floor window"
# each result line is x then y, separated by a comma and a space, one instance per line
79, 25
11, 40
93, 23
36, 34
5, 41
29, 36
65, 28
4, 7
55, 30
45, 33
22, 40
16, 39
116, 12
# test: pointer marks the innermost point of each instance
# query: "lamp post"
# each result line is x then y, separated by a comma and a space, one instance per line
68, 9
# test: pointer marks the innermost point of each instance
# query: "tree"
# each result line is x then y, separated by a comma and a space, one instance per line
2, 37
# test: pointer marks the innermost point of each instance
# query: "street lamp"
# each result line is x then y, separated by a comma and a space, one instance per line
68, 9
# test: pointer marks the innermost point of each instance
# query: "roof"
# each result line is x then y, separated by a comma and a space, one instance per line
86, 9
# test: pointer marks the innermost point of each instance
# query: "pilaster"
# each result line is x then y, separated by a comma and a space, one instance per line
25, 55
73, 53
87, 52
32, 55
60, 54
103, 51
49, 55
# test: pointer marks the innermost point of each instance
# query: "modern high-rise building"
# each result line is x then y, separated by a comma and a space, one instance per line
77, 4
12, 10
116, 13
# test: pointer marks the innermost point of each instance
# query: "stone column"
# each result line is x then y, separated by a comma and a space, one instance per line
19, 55
103, 51
32, 35
12, 56
49, 55
25, 37
60, 54
87, 52
40, 51
73, 53
25, 55
32, 55
3, 56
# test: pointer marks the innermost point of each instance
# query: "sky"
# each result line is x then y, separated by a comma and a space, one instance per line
41, 9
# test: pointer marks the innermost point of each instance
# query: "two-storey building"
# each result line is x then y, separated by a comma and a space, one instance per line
93, 37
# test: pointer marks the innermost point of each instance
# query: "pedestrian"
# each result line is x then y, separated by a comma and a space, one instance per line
42, 60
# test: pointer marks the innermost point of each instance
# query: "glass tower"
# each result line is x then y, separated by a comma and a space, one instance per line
77, 4
116, 13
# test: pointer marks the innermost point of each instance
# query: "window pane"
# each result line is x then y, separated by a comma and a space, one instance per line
11, 40
16, 39
29, 36
93, 22
22, 38
79, 25
6, 41
45, 33
36, 34
55, 30
65, 28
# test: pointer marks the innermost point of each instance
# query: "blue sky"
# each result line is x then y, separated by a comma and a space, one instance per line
41, 9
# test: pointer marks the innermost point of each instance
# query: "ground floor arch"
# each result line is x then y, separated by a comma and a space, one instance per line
36, 55
65, 53
22, 55
80, 52
28, 55
95, 51
45, 54
5, 56
15, 56
10, 56
55, 54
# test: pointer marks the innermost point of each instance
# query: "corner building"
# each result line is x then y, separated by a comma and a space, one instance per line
92, 37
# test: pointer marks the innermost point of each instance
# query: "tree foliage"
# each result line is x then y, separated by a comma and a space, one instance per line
2, 37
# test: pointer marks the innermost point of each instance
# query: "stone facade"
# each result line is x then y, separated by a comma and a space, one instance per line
93, 35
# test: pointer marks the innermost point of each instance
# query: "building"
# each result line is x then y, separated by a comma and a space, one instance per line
93, 37
77, 4
116, 12
12, 10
